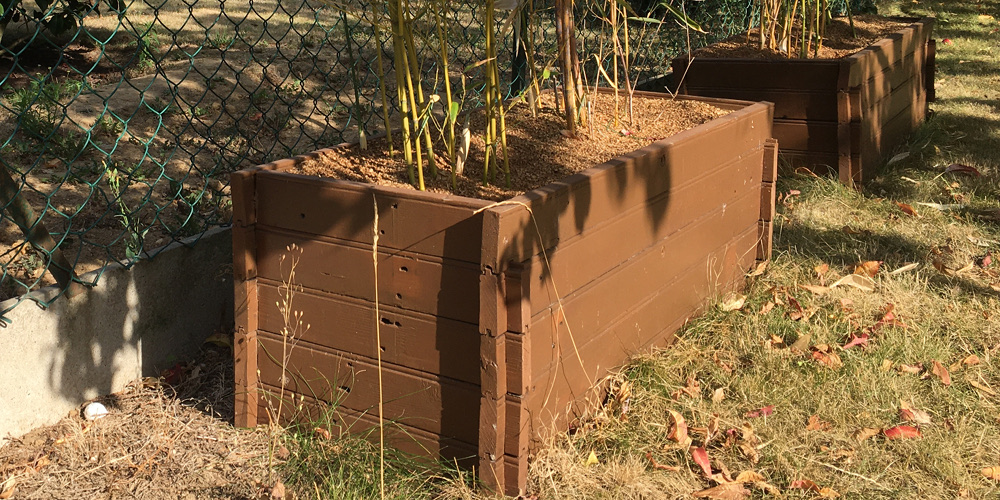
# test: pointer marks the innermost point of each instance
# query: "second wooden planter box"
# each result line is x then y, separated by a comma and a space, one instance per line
497, 319
843, 114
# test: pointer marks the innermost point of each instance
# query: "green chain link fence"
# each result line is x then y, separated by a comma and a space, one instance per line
120, 121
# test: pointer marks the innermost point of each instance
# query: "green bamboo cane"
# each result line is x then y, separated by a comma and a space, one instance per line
418, 94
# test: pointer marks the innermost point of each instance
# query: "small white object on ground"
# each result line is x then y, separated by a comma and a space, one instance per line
94, 411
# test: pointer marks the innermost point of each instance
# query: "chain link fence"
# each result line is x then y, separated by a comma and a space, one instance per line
120, 122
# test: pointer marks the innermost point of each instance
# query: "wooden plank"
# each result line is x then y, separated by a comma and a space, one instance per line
582, 259
765, 240
398, 434
788, 104
929, 68
770, 161
812, 136
492, 355
431, 403
590, 309
580, 202
246, 383
643, 325
245, 300
445, 288
560, 383
891, 78
422, 223
418, 341
887, 52
780, 74
768, 192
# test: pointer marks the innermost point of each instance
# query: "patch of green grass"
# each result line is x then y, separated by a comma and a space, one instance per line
347, 466
948, 304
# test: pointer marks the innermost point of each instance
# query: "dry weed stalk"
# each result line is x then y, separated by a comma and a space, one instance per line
292, 330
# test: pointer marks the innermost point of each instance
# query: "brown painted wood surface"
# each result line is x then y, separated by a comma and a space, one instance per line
431, 403
468, 313
816, 125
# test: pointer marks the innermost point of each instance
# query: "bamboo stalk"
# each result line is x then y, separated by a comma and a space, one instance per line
419, 99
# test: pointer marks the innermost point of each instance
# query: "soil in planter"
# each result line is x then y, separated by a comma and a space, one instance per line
838, 40
539, 150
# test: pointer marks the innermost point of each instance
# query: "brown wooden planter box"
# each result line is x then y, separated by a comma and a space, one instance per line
844, 114
477, 358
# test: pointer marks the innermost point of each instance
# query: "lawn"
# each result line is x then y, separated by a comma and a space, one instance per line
858, 363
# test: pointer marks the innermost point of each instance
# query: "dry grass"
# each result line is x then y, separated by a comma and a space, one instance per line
948, 304
949, 314
156, 442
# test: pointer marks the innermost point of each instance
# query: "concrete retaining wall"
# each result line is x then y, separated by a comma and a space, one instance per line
134, 323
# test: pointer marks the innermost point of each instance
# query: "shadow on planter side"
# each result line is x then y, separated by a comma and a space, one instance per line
497, 319
838, 115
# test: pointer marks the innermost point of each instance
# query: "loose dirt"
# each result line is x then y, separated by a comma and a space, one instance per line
838, 41
539, 150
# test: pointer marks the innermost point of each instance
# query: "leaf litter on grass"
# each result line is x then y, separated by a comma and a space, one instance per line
858, 333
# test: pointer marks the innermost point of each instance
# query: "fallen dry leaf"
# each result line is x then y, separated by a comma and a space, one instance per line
982, 387
749, 476
862, 283
8, 488
886, 365
868, 268
991, 472
985, 260
733, 302
766, 308
907, 209
908, 413
971, 360
678, 428
659, 466
943, 269
912, 369
816, 289
940, 372
592, 459
801, 344
718, 395
692, 389
958, 168
908, 267
809, 485
700, 457
724, 491
859, 340
902, 432
815, 424
761, 412
821, 270
889, 318
760, 269
278, 491
829, 359
900, 157
323, 433
866, 433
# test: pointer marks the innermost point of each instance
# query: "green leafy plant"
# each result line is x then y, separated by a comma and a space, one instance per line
55, 16
135, 230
